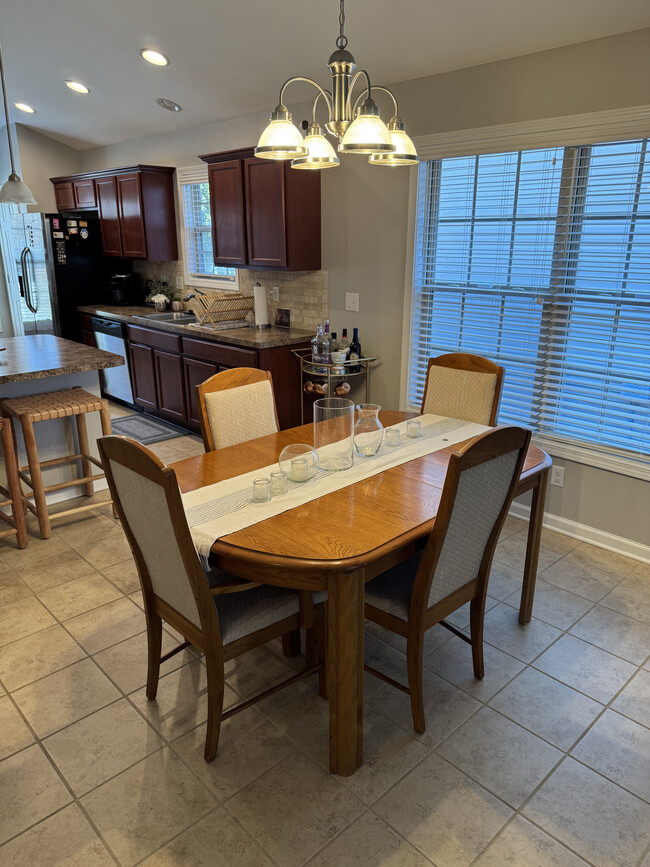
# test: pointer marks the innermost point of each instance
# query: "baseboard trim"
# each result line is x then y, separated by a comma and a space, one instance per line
618, 544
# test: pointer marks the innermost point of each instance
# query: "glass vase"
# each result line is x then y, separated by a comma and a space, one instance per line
368, 430
333, 422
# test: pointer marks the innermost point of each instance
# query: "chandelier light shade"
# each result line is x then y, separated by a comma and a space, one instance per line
13, 191
359, 128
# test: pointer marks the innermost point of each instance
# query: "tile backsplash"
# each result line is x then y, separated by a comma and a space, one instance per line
305, 293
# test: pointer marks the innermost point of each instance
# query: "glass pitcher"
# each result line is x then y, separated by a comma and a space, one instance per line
368, 430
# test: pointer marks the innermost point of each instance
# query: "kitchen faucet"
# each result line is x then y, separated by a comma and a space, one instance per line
193, 295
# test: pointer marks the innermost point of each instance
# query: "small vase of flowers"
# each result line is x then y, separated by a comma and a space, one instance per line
160, 294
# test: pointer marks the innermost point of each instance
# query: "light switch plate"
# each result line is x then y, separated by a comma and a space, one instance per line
352, 302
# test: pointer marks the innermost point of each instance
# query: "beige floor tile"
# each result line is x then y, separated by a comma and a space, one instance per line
23, 618
500, 755
512, 525
445, 708
502, 629
555, 606
580, 577
78, 596
62, 567
443, 813
12, 588
586, 668
100, 628
546, 707
85, 528
558, 542
368, 842
631, 596
107, 551
433, 637
248, 746
505, 581
66, 838
124, 575
614, 632
634, 701
146, 805
453, 662
31, 791
64, 697
512, 552
36, 549
126, 663
259, 669
101, 746
592, 816
620, 749
15, 734
36, 656
3, 565
217, 840
137, 599
521, 843
301, 713
604, 561
460, 617
318, 804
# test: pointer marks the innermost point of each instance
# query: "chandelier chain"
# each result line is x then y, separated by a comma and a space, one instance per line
342, 40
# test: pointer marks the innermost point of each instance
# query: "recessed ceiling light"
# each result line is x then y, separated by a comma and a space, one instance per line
24, 107
169, 104
155, 57
77, 86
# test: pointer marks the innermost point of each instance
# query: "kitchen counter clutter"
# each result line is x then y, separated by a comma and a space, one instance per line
39, 356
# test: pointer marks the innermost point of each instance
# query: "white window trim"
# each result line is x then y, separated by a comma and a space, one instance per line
571, 129
197, 175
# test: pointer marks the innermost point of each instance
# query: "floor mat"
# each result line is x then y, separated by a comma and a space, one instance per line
144, 429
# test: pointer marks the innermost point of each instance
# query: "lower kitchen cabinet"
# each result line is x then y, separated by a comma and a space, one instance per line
170, 388
143, 376
195, 372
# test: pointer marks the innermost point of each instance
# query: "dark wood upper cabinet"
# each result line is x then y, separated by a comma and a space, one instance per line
84, 193
64, 195
109, 218
131, 216
264, 213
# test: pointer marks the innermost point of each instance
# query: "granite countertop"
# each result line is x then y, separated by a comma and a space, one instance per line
268, 338
37, 356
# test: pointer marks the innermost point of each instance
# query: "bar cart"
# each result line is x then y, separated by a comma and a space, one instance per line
329, 380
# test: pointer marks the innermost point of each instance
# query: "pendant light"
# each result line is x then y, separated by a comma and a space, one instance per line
14, 191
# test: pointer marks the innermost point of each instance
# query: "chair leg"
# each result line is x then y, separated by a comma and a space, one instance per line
154, 647
107, 430
291, 643
476, 615
86, 466
36, 477
13, 483
215, 705
316, 647
414, 653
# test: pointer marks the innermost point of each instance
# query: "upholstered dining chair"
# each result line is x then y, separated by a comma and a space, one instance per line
207, 609
464, 386
235, 406
454, 566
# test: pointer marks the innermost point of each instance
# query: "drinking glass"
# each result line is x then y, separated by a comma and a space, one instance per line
261, 490
368, 431
333, 425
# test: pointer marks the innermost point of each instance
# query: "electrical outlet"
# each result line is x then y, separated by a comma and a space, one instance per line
352, 301
275, 294
557, 477
179, 283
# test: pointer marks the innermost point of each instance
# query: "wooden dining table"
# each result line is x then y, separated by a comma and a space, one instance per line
343, 539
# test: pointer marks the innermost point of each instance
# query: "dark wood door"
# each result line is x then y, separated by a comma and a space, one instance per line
64, 195
227, 211
84, 193
170, 385
143, 376
265, 212
195, 372
129, 196
109, 220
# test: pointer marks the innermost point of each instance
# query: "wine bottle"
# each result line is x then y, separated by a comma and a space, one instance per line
355, 351
334, 344
315, 349
344, 343
326, 334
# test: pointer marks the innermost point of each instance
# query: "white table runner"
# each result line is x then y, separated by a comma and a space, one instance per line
226, 507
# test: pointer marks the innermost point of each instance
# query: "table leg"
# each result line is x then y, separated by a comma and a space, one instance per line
532, 547
345, 670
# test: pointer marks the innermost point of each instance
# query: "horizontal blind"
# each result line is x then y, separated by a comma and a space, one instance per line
197, 223
540, 260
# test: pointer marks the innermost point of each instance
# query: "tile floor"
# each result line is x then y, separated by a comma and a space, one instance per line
543, 762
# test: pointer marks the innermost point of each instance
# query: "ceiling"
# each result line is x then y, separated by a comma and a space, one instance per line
229, 59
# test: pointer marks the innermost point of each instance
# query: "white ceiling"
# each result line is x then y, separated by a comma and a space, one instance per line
229, 58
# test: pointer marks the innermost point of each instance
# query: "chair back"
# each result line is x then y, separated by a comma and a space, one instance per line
476, 496
464, 386
148, 502
236, 406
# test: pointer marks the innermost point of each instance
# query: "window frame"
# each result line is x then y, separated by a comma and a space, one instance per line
185, 177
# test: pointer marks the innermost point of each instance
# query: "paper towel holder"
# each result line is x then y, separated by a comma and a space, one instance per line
261, 316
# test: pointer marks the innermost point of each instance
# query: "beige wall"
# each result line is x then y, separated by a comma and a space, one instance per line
41, 158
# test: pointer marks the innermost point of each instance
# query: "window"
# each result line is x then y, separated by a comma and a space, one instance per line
198, 262
540, 260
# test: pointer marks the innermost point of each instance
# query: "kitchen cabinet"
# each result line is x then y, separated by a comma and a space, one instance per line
264, 214
135, 206
143, 376
194, 373
170, 387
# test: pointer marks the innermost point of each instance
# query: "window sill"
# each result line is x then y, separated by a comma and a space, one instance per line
623, 463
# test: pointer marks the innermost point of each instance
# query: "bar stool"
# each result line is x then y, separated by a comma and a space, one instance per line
13, 494
43, 407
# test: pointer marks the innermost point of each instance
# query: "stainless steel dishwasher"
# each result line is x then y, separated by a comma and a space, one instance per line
115, 381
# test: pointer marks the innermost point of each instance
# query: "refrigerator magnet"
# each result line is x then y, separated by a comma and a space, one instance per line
55, 222
83, 233
73, 231
57, 234
82, 224
71, 223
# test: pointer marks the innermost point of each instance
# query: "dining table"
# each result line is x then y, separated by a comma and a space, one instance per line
339, 541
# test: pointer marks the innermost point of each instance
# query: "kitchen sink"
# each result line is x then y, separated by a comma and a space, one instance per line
177, 318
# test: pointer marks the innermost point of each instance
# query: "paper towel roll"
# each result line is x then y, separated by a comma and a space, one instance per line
261, 313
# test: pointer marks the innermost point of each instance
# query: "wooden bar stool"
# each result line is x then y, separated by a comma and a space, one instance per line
44, 407
13, 494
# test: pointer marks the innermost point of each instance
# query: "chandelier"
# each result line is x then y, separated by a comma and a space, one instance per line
357, 124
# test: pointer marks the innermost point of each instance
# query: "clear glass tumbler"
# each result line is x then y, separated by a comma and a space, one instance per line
368, 431
333, 425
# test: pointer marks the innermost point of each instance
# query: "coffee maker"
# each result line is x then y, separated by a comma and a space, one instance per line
124, 289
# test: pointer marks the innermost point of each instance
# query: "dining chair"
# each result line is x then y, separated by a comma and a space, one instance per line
206, 608
454, 566
460, 385
235, 406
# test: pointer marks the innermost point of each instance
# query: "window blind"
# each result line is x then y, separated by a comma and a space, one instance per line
197, 230
540, 260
